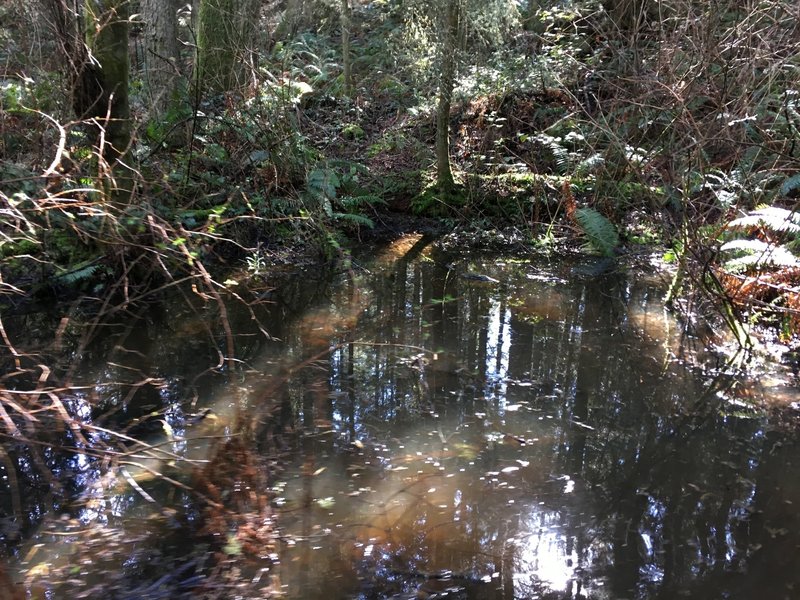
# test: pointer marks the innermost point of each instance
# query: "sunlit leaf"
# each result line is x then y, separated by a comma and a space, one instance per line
233, 547
326, 502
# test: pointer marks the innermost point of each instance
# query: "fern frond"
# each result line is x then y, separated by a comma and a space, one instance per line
74, 277
347, 165
771, 218
559, 153
599, 231
757, 254
791, 187
354, 218
352, 202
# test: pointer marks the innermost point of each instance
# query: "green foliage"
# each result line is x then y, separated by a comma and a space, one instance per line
768, 218
335, 188
601, 234
777, 231
559, 155
791, 186
352, 131
752, 255
433, 202
164, 129
80, 274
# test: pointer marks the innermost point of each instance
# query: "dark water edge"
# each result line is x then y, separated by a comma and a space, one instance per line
433, 424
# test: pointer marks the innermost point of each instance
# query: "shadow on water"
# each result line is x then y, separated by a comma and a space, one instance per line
552, 441
495, 428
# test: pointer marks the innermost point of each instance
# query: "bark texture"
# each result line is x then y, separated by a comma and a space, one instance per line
447, 76
103, 85
225, 32
162, 52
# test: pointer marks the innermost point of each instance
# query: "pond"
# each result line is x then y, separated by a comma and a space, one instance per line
428, 424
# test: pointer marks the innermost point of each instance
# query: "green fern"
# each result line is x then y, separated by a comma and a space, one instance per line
770, 218
78, 275
756, 254
791, 186
354, 218
558, 152
600, 233
355, 202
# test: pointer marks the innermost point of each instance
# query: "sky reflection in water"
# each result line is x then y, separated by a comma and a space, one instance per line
549, 442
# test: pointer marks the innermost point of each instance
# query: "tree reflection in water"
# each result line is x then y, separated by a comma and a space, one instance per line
550, 443
477, 427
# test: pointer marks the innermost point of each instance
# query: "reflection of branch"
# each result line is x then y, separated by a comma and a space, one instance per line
174, 482
10, 346
13, 483
132, 482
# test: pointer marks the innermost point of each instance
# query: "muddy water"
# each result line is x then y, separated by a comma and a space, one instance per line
512, 429
465, 427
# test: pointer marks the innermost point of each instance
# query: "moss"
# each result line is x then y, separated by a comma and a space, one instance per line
66, 249
433, 202
216, 38
352, 131
19, 247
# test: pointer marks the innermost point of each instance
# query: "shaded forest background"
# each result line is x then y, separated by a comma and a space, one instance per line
144, 139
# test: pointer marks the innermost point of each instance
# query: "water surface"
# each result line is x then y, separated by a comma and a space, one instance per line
491, 427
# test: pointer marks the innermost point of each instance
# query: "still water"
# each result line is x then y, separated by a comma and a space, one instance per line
437, 425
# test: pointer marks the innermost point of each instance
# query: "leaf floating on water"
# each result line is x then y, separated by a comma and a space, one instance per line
40, 570
514, 440
326, 502
170, 433
233, 547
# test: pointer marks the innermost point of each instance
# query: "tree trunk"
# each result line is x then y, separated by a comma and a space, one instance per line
290, 20
224, 33
628, 15
216, 46
101, 90
162, 52
449, 62
346, 62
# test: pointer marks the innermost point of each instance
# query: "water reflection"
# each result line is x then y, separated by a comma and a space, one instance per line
531, 432
452, 426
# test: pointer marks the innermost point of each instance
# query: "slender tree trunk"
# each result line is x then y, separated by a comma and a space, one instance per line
225, 32
101, 90
162, 52
105, 79
449, 62
628, 15
346, 62
216, 45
